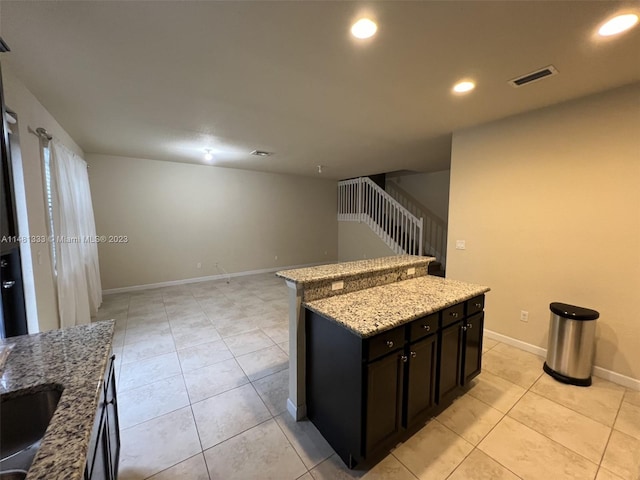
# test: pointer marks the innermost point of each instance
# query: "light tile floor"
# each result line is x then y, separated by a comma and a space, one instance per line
202, 388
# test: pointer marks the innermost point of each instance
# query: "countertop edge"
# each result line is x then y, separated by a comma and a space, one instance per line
474, 291
409, 261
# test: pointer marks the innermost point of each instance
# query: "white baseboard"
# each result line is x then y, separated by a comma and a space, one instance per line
527, 347
148, 286
629, 382
298, 413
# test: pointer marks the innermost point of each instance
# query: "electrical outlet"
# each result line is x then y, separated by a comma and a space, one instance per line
411, 271
461, 245
276, 257
198, 265
337, 285
524, 316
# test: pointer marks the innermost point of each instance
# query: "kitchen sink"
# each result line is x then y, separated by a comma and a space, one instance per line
13, 475
24, 418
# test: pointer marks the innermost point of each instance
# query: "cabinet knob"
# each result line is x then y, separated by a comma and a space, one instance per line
389, 344
426, 327
469, 325
413, 354
464, 328
478, 305
454, 314
404, 358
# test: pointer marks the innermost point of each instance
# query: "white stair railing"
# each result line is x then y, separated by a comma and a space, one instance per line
435, 228
361, 200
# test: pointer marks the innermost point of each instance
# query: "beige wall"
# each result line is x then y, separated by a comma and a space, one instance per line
357, 241
549, 205
31, 114
430, 189
177, 215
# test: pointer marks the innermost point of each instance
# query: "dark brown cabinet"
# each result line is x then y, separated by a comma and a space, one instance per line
460, 349
421, 378
365, 394
450, 361
472, 347
104, 446
383, 400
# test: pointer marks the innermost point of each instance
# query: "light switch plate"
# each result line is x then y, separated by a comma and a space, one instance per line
460, 245
337, 285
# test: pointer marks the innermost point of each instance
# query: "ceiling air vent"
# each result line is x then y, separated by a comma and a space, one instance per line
534, 76
261, 153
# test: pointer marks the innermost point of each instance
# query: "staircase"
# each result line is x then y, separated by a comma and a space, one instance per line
434, 228
361, 200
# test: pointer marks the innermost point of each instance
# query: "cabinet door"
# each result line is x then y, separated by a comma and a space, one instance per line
420, 393
101, 469
384, 379
112, 421
450, 361
473, 346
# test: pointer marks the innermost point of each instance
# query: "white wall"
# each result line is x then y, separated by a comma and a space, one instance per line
430, 189
549, 205
178, 215
32, 114
357, 241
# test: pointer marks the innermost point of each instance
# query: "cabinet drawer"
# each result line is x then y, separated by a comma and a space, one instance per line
385, 342
423, 326
475, 305
452, 314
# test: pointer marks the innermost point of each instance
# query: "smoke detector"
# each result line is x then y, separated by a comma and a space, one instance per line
533, 76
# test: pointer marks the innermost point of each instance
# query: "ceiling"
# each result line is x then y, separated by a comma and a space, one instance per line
165, 80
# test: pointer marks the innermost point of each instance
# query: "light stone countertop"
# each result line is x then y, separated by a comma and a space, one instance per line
336, 271
374, 310
72, 360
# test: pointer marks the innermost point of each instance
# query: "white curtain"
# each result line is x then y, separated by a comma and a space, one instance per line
76, 251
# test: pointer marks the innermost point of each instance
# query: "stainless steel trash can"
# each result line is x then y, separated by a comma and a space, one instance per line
571, 340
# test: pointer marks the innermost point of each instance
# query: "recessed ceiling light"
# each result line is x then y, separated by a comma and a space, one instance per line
464, 86
208, 156
618, 24
364, 28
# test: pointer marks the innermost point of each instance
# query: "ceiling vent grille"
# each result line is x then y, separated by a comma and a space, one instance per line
261, 153
533, 76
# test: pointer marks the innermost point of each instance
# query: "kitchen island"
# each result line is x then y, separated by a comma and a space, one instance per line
77, 363
323, 281
383, 360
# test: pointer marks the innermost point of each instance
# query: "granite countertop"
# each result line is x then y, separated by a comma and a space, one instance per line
340, 270
374, 310
73, 360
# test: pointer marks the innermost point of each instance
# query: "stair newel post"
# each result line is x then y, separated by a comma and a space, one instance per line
420, 227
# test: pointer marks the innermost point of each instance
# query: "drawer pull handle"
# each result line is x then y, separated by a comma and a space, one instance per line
404, 358
413, 354
454, 314
8, 284
389, 344
478, 305
426, 327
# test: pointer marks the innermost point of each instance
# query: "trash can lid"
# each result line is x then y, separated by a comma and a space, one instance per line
573, 312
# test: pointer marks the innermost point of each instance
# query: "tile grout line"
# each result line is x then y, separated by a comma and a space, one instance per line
612, 428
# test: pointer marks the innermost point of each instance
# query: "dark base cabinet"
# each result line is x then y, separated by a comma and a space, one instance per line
104, 447
366, 394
